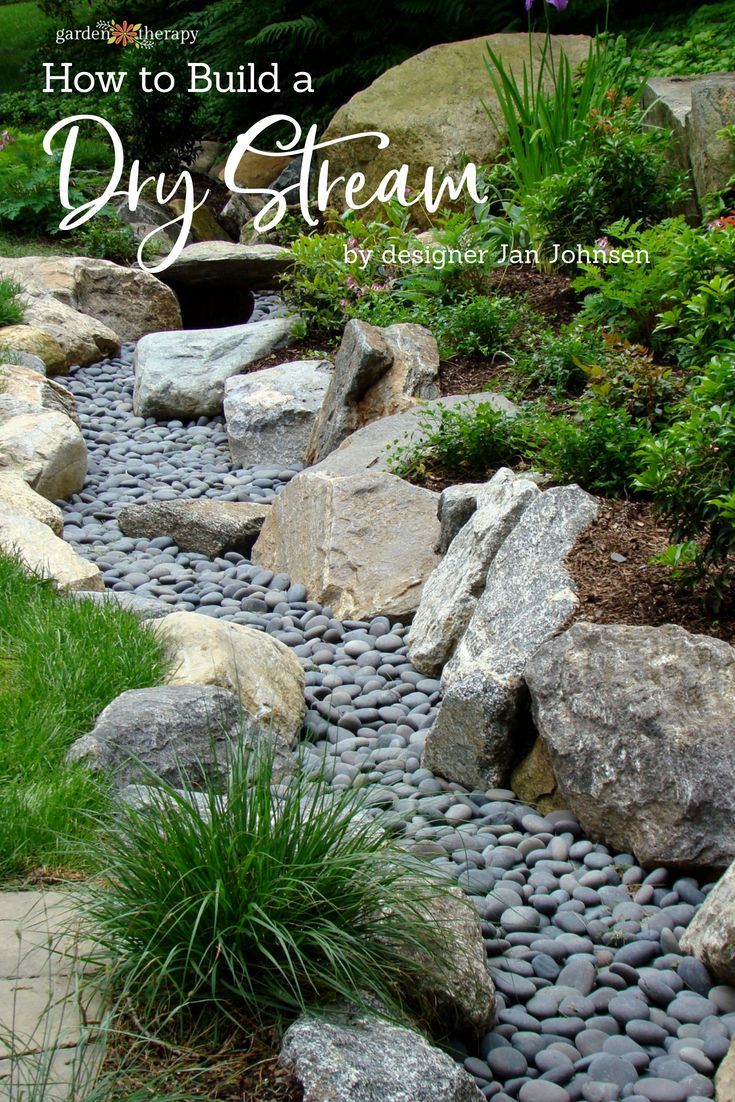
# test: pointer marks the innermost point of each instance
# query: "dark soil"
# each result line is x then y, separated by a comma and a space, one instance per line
635, 591
299, 350
241, 1068
549, 293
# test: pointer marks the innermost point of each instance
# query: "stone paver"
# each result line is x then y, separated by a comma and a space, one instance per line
48, 1006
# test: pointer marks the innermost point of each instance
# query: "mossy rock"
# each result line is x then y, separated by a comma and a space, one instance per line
533, 781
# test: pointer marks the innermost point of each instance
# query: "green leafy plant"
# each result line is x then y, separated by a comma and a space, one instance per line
105, 236
11, 306
455, 442
689, 468
271, 899
621, 171
29, 185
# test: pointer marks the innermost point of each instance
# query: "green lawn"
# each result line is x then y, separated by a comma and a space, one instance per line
22, 27
62, 660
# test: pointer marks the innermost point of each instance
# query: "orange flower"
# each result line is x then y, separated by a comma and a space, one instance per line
124, 34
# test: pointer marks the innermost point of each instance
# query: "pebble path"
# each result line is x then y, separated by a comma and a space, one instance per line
595, 1000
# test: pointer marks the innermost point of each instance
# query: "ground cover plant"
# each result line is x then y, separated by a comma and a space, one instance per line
62, 661
11, 303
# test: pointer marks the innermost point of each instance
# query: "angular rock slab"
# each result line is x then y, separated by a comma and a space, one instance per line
725, 1080
207, 263
362, 544
529, 596
41, 552
354, 1058
270, 413
456, 505
176, 732
260, 670
377, 373
451, 592
713, 109
207, 526
129, 301
431, 108
183, 374
16, 494
639, 725
47, 449
711, 935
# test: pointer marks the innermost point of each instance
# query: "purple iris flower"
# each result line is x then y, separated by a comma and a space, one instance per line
560, 5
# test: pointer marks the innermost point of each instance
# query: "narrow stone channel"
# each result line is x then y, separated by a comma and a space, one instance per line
595, 1000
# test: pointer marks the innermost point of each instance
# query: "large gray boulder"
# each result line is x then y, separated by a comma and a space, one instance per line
451, 593
270, 413
456, 505
207, 526
350, 1057
529, 596
208, 264
711, 936
170, 731
639, 725
183, 374
377, 373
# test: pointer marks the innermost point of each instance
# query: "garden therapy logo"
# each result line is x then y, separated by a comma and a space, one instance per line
124, 33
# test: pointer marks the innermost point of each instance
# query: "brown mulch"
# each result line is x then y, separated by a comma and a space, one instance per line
298, 350
241, 1068
549, 293
635, 591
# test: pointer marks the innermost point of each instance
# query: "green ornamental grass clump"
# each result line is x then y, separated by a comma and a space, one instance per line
272, 900
11, 306
62, 661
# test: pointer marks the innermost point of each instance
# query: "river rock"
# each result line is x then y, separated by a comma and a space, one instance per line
47, 449
431, 108
350, 1057
25, 391
173, 732
529, 596
183, 374
15, 493
42, 552
260, 670
362, 544
451, 593
640, 728
24, 344
270, 413
711, 935
377, 373
207, 526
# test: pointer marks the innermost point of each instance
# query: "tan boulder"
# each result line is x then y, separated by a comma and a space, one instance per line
25, 391
263, 672
30, 341
725, 1080
361, 543
47, 449
257, 170
15, 493
83, 340
127, 302
41, 552
207, 526
711, 934
431, 108
204, 225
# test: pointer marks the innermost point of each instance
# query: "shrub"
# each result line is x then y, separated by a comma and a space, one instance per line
619, 170
689, 468
29, 185
276, 899
596, 447
11, 308
557, 361
105, 236
457, 442
61, 662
